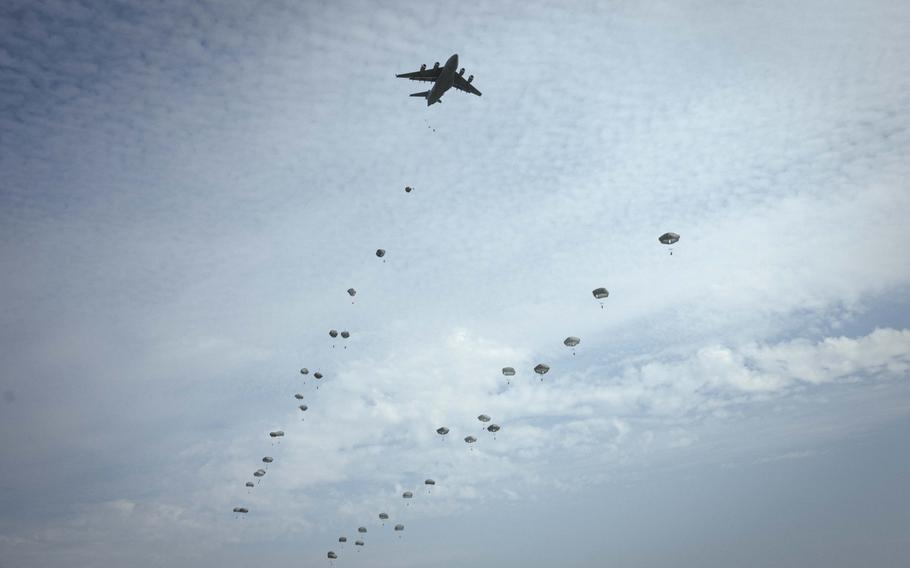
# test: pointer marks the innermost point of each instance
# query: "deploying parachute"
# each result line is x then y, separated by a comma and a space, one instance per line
601, 294
668, 239
571, 341
541, 369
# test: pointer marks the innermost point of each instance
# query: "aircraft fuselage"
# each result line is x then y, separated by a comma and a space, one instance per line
444, 81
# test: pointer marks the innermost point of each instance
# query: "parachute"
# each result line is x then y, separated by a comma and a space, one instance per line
668, 239
332, 555
493, 428
259, 473
429, 482
302, 408
241, 510
399, 528
383, 517
352, 292
277, 434
571, 341
408, 189
317, 375
249, 484
601, 294
358, 543
333, 333
442, 430
342, 539
268, 459
380, 253
483, 418
345, 334
508, 372
361, 529
298, 396
304, 371
541, 370
470, 439
407, 495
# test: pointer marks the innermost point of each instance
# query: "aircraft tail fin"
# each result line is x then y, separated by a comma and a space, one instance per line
423, 94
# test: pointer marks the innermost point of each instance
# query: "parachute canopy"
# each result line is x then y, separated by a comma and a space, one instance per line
361, 529
407, 495
333, 333
268, 459
600, 293
241, 510
317, 375
442, 431
358, 543
470, 439
541, 369
342, 539
250, 484
429, 482
298, 396
668, 238
259, 472
303, 407
508, 371
399, 527
483, 418
383, 516
277, 434
408, 189
380, 253
493, 428
571, 341
332, 555
345, 334
304, 371
352, 292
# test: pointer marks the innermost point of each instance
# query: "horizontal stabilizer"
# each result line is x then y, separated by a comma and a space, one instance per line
423, 94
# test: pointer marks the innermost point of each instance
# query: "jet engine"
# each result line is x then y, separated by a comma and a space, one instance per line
436, 65
470, 78
461, 71
423, 67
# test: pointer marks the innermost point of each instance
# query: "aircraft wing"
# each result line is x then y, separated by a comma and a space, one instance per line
425, 75
463, 85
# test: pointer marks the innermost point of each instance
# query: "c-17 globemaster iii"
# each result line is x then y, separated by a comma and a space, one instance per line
443, 78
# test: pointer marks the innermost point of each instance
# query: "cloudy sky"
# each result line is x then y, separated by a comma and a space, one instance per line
188, 189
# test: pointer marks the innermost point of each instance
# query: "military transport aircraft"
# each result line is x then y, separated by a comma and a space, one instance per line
442, 78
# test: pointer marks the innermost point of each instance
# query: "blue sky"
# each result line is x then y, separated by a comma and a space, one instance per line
189, 189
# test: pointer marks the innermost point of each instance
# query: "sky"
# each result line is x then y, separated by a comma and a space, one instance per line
187, 190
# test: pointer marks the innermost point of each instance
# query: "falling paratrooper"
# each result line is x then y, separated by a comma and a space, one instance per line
571, 341
601, 294
668, 239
